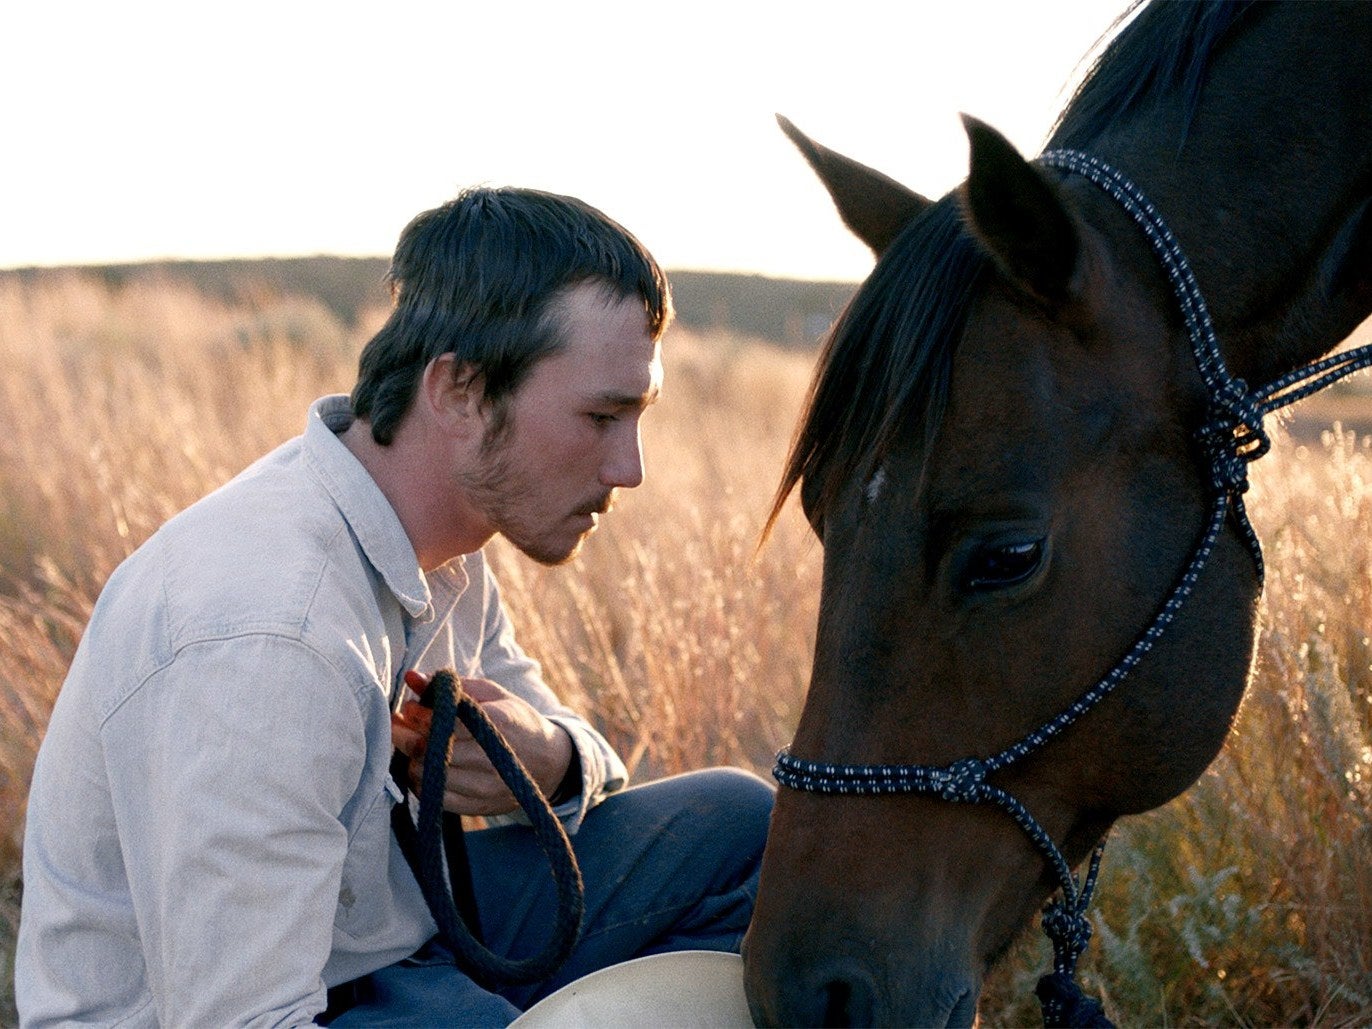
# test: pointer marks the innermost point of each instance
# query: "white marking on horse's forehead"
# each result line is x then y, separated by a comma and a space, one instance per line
873, 489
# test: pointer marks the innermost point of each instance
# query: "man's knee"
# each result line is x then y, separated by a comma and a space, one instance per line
744, 806
736, 791
726, 802
722, 795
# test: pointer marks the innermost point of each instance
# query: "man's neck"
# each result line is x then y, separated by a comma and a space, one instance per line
439, 522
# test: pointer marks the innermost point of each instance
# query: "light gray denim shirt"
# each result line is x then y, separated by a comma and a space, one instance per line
208, 838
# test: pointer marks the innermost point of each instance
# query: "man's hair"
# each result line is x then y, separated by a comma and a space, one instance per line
475, 278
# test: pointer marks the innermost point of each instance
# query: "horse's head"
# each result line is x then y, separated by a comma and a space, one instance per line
998, 457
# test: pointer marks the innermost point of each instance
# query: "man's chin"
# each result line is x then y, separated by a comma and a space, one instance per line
547, 554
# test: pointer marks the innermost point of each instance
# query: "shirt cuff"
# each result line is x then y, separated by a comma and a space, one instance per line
597, 767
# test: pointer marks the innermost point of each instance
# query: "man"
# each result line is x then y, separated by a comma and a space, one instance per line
209, 838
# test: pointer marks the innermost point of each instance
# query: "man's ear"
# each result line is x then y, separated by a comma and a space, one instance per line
454, 396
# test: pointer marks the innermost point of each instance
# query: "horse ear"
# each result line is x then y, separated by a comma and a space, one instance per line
874, 206
1019, 217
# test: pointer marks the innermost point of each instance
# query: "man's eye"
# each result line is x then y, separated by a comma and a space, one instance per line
601, 420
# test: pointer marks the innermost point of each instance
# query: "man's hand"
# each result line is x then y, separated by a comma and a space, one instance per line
473, 786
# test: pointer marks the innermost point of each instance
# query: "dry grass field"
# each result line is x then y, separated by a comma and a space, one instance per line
1246, 902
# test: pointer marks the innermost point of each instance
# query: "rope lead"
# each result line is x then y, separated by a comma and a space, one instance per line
451, 705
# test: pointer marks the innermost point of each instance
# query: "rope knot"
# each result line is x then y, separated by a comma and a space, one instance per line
1070, 932
963, 781
1233, 435
1064, 1005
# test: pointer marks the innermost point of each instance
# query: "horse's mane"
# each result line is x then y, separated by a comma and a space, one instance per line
1163, 54
888, 359
889, 353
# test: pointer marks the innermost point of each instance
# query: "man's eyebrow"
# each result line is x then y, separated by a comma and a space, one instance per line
627, 400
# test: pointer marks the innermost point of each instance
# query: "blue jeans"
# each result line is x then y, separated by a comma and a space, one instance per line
669, 865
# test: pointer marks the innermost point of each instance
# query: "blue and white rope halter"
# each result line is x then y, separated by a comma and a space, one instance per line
1231, 436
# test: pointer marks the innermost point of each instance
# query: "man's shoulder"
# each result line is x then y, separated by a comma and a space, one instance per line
259, 554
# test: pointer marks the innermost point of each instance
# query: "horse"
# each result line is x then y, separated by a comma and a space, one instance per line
1024, 452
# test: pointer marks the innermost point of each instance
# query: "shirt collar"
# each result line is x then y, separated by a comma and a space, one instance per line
368, 513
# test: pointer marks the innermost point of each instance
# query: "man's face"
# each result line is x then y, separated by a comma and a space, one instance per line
571, 437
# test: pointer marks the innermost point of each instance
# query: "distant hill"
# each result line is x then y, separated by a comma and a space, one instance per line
786, 311
345, 285
789, 312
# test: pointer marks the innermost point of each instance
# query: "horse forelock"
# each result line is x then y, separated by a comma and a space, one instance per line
888, 358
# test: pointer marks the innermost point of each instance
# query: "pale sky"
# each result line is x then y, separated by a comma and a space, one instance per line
137, 129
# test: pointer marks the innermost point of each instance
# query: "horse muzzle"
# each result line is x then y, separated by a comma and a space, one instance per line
791, 989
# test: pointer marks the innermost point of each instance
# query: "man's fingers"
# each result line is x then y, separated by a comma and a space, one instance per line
415, 717
408, 741
480, 690
472, 786
483, 690
477, 792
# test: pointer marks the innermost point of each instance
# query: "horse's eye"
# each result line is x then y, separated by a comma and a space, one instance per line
1002, 565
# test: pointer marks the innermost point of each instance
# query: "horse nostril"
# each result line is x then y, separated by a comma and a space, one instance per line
964, 1011
848, 1002
836, 1004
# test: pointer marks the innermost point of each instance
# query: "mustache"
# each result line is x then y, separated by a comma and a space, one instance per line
599, 506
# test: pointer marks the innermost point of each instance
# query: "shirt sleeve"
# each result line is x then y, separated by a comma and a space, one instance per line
230, 770
503, 661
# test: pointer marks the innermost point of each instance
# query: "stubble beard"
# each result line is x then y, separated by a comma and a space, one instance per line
496, 491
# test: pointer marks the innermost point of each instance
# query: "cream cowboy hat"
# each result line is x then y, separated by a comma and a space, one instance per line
695, 988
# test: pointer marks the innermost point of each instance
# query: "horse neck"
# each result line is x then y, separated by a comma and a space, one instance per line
1272, 182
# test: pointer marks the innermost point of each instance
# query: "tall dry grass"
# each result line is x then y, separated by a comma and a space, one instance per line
1248, 901
120, 407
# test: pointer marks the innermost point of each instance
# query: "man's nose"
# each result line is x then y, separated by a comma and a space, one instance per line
624, 463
